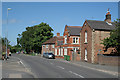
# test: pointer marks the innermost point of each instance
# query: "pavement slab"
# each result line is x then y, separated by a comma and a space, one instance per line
12, 68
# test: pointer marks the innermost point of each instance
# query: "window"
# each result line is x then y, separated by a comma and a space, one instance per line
85, 36
65, 51
43, 46
85, 54
53, 46
75, 49
59, 52
65, 39
46, 46
75, 40
55, 51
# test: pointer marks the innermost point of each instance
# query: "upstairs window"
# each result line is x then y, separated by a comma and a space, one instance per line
53, 46
46, 46
65, 39
75, 40
43, 46
85, 36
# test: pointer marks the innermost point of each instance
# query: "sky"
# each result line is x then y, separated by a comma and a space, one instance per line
56, 14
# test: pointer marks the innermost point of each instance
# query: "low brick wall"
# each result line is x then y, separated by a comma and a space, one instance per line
108, 60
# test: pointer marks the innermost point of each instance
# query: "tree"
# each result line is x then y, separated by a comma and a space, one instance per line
114, 39
3, 40
34, 36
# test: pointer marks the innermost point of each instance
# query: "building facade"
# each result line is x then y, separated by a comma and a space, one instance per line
92, 34
71, 42
50, 45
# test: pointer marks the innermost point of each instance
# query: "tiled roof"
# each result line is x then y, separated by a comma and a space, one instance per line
52, 40
74, 30
100, 25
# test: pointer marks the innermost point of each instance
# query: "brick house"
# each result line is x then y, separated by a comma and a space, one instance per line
71, 42
49, 45
91, 35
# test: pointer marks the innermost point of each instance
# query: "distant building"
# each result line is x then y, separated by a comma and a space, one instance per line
49, 45
91, 35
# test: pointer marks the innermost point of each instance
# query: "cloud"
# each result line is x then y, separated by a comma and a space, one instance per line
33, 21
11, 21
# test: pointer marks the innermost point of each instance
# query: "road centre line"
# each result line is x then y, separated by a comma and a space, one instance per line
76, 74
60, 67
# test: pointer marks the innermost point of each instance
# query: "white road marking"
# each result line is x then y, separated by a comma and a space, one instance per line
51, 63
76, 74
60, 67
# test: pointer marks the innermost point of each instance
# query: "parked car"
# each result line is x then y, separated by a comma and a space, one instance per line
49, 55
44, 55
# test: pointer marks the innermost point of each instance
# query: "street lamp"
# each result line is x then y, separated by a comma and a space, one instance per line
7, 31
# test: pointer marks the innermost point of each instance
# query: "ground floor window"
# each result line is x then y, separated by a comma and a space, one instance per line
65, 51
55, 51
86, 54
75, 49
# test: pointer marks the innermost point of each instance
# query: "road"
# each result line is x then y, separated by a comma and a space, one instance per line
52, 68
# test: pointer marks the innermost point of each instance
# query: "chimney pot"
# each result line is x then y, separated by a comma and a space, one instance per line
58, 34
108, 17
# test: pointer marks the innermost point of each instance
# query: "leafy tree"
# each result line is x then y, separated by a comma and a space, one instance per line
3, 40
34, 36
114, 39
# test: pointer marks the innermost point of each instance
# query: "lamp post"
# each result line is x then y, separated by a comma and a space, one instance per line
7, 31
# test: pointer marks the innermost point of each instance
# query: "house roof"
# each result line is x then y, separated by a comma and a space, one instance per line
52, 40
74, 30
100, 25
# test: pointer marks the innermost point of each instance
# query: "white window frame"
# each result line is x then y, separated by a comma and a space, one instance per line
43, 46
65, 39
85, 36
56, 52
65, 51
59, 51
46, 46
86, 54
53, 46
76, 40
75, 49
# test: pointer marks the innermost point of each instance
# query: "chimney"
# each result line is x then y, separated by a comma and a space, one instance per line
108, 16
58, 34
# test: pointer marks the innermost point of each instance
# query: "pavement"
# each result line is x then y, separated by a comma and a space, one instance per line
98, 67
13, 68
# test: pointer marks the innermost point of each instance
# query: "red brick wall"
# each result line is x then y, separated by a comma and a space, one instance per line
108, 60
88, 46
50, 48
99, 36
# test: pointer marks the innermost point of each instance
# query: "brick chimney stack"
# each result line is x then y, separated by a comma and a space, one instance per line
108, 16
58, 34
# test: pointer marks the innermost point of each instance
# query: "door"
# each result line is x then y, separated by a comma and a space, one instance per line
85, 54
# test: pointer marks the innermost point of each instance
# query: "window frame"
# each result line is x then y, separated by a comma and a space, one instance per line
86, 36
65, 39
75, 38
46, 46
